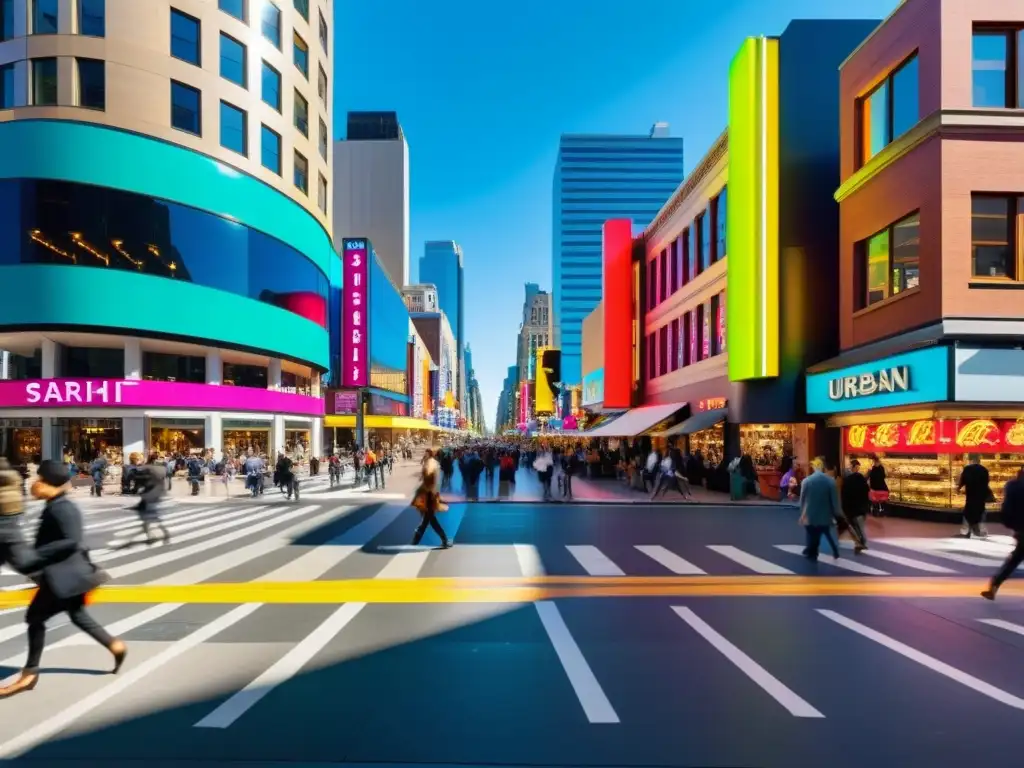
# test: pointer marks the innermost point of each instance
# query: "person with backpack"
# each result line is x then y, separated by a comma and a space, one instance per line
1013, 518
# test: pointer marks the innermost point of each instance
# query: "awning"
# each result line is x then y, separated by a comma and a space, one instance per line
697, 422
381, 422
635, 421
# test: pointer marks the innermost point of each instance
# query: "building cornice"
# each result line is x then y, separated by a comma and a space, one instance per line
691, 183
946, 123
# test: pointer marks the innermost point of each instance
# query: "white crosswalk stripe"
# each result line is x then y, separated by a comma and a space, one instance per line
670, 560
747, 560
844, 564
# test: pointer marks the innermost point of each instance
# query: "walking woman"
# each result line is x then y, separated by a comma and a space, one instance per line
68, 575
428, 501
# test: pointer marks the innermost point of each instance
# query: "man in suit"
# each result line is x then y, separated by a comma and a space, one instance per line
819, 506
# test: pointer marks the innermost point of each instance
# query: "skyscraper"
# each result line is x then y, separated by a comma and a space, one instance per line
601, 177
371, 188
441, 265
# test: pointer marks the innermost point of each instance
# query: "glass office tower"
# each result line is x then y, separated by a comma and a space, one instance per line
441, 265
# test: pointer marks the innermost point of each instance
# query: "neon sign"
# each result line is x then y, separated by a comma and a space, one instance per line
355, 331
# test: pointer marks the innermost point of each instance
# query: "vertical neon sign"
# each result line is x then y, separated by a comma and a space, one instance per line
524, 402
720, 322
355, 331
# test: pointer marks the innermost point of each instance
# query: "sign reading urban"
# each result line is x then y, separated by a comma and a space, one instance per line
355, 336
886, 380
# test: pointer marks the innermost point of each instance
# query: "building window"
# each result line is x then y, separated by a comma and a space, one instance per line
700, 240
301, 114
996, 243
707, 230
663, 275
663, 350
321, 86
185, 38
44, 82
302, 6
270, 149
323, 31
301, 173
7, 86
888, 261
890, 110
92, 83
270, 80
232, 60
652, 284
92, 18
323, 139
270, 23
234, 8
652, 358
997, 68
684, 257
300, 55
44, 17
186, 110
6, 19
321, 194
721, 216
674, 261
233, 133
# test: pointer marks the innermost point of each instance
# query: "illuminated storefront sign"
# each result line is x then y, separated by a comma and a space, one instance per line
593, 387
346, 402
720, 323
936, 436
711, 404
752, 228
107, 393
921, 376
355, 337
617, 256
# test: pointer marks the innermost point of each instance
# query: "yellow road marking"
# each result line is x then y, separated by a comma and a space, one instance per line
524, 590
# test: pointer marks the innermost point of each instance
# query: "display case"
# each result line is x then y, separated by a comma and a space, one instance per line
766, 444
710, 442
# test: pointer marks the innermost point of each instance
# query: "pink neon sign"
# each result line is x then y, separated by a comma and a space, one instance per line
124, 393
355, 335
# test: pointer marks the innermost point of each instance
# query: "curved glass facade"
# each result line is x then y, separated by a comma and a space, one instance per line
64, 223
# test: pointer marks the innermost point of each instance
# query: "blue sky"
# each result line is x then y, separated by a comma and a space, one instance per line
483, 90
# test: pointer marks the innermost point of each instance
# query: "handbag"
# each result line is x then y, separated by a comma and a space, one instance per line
878, 497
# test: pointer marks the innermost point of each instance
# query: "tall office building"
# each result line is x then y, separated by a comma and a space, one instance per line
441, 265
535, 330
371, 184
601, 177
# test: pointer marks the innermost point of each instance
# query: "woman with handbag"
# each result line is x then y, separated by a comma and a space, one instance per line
68, 575
428, 501
878, 488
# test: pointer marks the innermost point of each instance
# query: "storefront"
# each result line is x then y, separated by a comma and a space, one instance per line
924, 413
78, 418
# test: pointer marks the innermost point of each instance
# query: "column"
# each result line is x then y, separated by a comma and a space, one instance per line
214, 367
274, 374
214, 433
50, 447
315, 385
276, 437
133, 435
50, 352
316, 438
132, 359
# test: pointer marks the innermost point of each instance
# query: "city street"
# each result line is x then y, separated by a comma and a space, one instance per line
626, 635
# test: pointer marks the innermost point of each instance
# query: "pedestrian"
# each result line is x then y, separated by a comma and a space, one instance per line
14, 550
974, 483
1013, 518
428, 501
68, 575
856, 502
152, 489
819, 506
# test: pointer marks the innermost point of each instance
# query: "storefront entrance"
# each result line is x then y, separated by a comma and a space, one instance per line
243, 436
81, 439
21, 440
177, 436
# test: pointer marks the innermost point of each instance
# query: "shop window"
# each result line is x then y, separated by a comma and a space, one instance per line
663, 276
270, 24
7, 86
44, 82
888, 111
663, 350
234, 8
6, 20
301, 114
234, 129
92, 83
177, 436
239, 375
81, 440
233, 56
186, 108
270, 86
270, 149
185, 38
996, 242
92, 18
161, 366
888, 262
997, 68
300, 55
91, 363
44, 17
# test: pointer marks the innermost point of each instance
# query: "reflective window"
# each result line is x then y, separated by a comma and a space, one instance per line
323, 32
92, 83
233, 129
185, 37
906, 253
6, 19
270, 82
162, 366
721, 221
323, 139
92, 18
44, 17
995, 245
44, 82
235, 8
889, 262
990, 69
232, 60
300, 55
7, 86
270, 23
321, 86
55, 222
302, 6
186, 110
301, 173
890, 110
270, 149
301, 114
321, 194
241, 375
91, 362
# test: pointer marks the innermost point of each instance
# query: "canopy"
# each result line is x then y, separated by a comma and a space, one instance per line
635, 421
697, 422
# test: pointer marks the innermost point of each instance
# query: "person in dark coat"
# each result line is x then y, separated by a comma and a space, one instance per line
1013, 518
14, 550
974, 482
855, 495
68, 575
152, 479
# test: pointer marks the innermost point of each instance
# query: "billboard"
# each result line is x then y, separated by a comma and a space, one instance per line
593, 388
617, 288
548, 374
355, 321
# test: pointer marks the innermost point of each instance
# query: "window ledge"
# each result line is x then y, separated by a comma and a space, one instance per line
996, 284
886, 302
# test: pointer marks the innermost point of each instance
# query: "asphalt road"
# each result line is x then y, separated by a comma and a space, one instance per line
730, 670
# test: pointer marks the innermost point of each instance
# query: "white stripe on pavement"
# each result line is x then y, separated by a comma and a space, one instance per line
925, 660
754, 563
220, 522
1009, 626
670, 560
310, 565
126, 523
770, 684
933, 548
909, 562
846, 565
593, 560
37, 734
286, 668
592, 698
405, 565
529, 559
